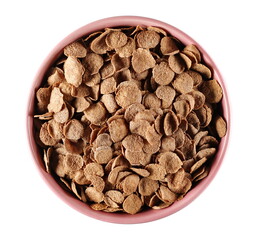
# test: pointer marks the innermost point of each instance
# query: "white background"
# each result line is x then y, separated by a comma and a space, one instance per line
30, 29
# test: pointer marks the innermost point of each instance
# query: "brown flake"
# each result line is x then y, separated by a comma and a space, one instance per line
73, 71
75, 49
147, 186
168, 46
148, 39
116, 39
220, 126
162, 73
132, 204
212, 91
142, 60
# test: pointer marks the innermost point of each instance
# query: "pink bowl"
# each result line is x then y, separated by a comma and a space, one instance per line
148, 215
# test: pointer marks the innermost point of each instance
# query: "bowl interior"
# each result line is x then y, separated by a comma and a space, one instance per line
148, 215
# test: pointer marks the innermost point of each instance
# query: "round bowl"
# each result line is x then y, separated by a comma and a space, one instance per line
148, 215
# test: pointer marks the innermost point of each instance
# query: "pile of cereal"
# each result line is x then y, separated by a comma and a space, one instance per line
129, 119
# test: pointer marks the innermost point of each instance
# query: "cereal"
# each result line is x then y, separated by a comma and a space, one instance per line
132, 204
140, 171
93, 195
212, 91
150, 100
93, 62
129, 119
183, 83
142, 60
96, 113
165, 93
108, 85
56, 101
168, 46
74, 147
103, 139
147, 186
103, 154
109, 102
107, 70
118, 129
45, 136
162, 73
56, 77
115, 196
220, 126
132, 110
157, 171
128, 93
170, 161
202, 69
182, 108
119, 63
73, 71
98, 45
148, 39
133, 143
176, 63
130, 184
199, 99
127, 49
170, 123
81, 91
166, 195
58, 165
187, 60
81, 104
73, 162
192, 48
62, 116
198, 164
55, 129
73, 130
168, 144
116, 39
94, 169
75, 49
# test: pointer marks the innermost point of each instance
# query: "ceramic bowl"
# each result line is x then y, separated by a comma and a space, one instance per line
147, 215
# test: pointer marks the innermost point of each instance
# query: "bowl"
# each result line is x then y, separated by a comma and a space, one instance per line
147, 215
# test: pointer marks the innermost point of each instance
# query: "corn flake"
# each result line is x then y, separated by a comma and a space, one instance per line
128, 49
168, 46
128, 93
212, 91
147, 186
103, 154
183, 83
148, 39
142, 60
73, 71
116, 39
93, 62
98, 45
132, 204
157, 171
108, 85
176, 63
75, 49
220, 126
73, 130
96, 113
130, 184
162, 73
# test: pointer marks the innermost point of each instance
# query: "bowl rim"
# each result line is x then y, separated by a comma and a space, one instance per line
123, 218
